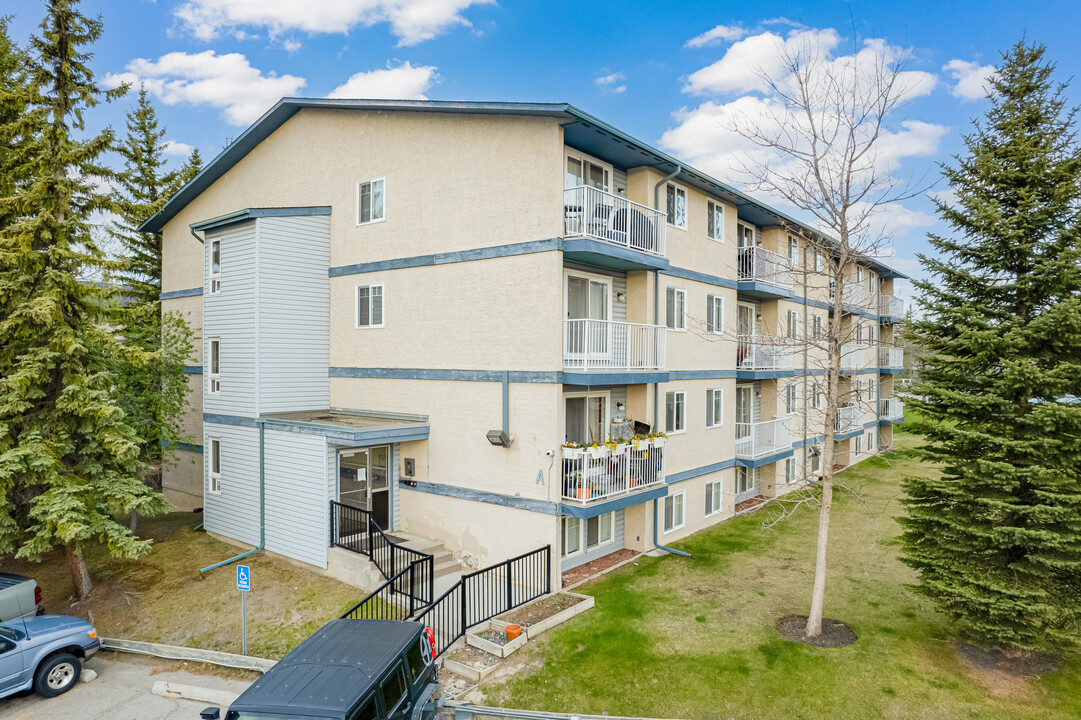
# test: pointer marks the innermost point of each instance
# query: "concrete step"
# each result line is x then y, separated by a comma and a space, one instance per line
446, 567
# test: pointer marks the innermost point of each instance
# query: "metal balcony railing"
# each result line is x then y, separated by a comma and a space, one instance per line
891, 408
596, 473
755, 440
594, 213
764, 266
761, 352
609, 345
848, 418
854, 357
890, 306
892, 358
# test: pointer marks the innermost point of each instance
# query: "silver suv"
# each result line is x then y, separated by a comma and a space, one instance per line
20, 597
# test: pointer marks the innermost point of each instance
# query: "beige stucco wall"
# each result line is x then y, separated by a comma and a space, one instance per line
182, 481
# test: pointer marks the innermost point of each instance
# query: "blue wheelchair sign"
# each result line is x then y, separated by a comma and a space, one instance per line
243, 577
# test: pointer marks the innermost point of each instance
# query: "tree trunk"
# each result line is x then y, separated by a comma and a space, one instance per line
818, 595
133, 521
79, 573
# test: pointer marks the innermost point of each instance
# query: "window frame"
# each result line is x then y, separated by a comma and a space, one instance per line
793, 252
819, 264
403, 700
382, 218
214, 278
213, 477
712, 397
715, 311
682, 496
677, 292
715, 217
714, 495
564, 523
679, 402
791, 398
213, 375
792, 324
819, 396
382, 306
815, 453
677, 189
789, 470
583, 533
858, 445
817, 327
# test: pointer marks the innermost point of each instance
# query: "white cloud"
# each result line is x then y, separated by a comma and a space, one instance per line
719, 34
914, 138
971, 78
404, 82
228, 82
177, 148
291, 46
411, 21
894, 219
611, 83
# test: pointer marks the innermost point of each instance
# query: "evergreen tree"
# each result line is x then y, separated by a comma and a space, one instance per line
152, 394
12, 103
997, 539
69, 461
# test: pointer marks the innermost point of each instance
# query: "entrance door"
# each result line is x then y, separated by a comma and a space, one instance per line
587, 334
745, 330
744, 398
364, 481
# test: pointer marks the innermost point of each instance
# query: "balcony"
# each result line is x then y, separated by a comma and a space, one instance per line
855, 299
598, 473
891, 308
891, 358
607, 345
764, 267
854, 357
589, 212
760, 439
761, 352
892, 409
848, 419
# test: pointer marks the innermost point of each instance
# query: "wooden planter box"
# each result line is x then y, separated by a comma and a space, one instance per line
537, 629
467, 672
495, 648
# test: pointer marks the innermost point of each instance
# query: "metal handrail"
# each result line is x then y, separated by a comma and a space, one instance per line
598, 214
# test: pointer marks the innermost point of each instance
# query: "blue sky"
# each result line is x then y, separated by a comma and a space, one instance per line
214, 65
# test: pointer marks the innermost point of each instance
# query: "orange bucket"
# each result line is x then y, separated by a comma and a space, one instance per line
513, 631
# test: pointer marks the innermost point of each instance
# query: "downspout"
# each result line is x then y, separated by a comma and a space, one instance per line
191, 229
657, 544
657, 305
262, 505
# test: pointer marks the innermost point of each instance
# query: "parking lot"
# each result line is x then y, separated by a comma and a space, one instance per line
121, 691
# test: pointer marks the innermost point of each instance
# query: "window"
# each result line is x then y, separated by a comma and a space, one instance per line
793, 324
714, 407
817, 327
715, 314
872, 389
820, 396
214, 377
713, 498
859, 274
368, 711
746, 480
370, 306
370, 204
793, 252
213, 460
393, 689
816, 459
859, 390
598, 531
818, 261
715, 229
675, 412
673, 512
677, 206
791, 395
417, 659
859, 332
790, 470
676, 308
859, 444
572, 536
215, 267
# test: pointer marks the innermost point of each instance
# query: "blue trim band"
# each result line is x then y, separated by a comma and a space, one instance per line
187, 447
447, 258
768, 460
702, 374
620, 503
515, 376
613, 378
512, 501
700, 277
174, 294
699, 471
193, 369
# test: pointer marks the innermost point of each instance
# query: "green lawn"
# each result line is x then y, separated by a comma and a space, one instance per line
674, 637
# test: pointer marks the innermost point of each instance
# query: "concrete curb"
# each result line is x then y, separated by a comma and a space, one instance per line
221, 698
173, 652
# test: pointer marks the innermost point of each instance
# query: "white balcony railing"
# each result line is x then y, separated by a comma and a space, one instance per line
856, 297
591, 474
760, 352
594, 213
891, 408
755, 440
854, 357
609, 345
890, 306
848, 418
891, 357
764, 266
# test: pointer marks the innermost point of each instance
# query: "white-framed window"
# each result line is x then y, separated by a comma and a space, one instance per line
713, 498
859, 332
790, 470
715, 221
815, 454
872, 389
818, 261
859, 444
589, 534
715, 314
213, 460
791, 398
214, 374
714, 407
820, 396
859, 274
215, 267
675, 411
371, 201
572, 536
793, 252
675, 308
674, 517
859, 389
369, 306
792, 324
676, 203
817, 327
747, 480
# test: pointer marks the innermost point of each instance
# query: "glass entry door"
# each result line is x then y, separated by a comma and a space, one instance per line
587, 418
364, 481
587, 330
744, 429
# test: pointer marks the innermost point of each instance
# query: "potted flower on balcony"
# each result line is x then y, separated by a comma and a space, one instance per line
597, 449
616, 448
586, 490
657, 439
573, 450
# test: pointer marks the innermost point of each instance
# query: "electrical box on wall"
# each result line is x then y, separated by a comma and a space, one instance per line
410, 467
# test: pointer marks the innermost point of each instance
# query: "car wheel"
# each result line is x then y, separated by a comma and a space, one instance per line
57, 674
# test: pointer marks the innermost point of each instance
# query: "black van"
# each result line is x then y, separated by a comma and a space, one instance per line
348, 670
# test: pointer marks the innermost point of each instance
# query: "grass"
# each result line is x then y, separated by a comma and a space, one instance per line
673, 637
162, 597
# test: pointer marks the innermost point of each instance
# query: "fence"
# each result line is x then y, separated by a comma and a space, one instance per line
596, 473
481, 595
604, 344
592, 212
396, 599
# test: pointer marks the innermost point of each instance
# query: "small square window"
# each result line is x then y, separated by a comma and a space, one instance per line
371, 203
370, 306
675, 412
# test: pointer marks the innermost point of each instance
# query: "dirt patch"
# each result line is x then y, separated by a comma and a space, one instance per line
596, 567
834, 632
1017, 664
751, 504
540, 610
494, 636
454, 685
474, 657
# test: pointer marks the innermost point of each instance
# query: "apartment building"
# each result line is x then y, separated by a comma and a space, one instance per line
500, 326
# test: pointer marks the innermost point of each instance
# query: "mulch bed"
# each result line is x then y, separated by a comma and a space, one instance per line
542, 609
834, 632
1018, 664
751, 504
474, 657
596, 567
494, 636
